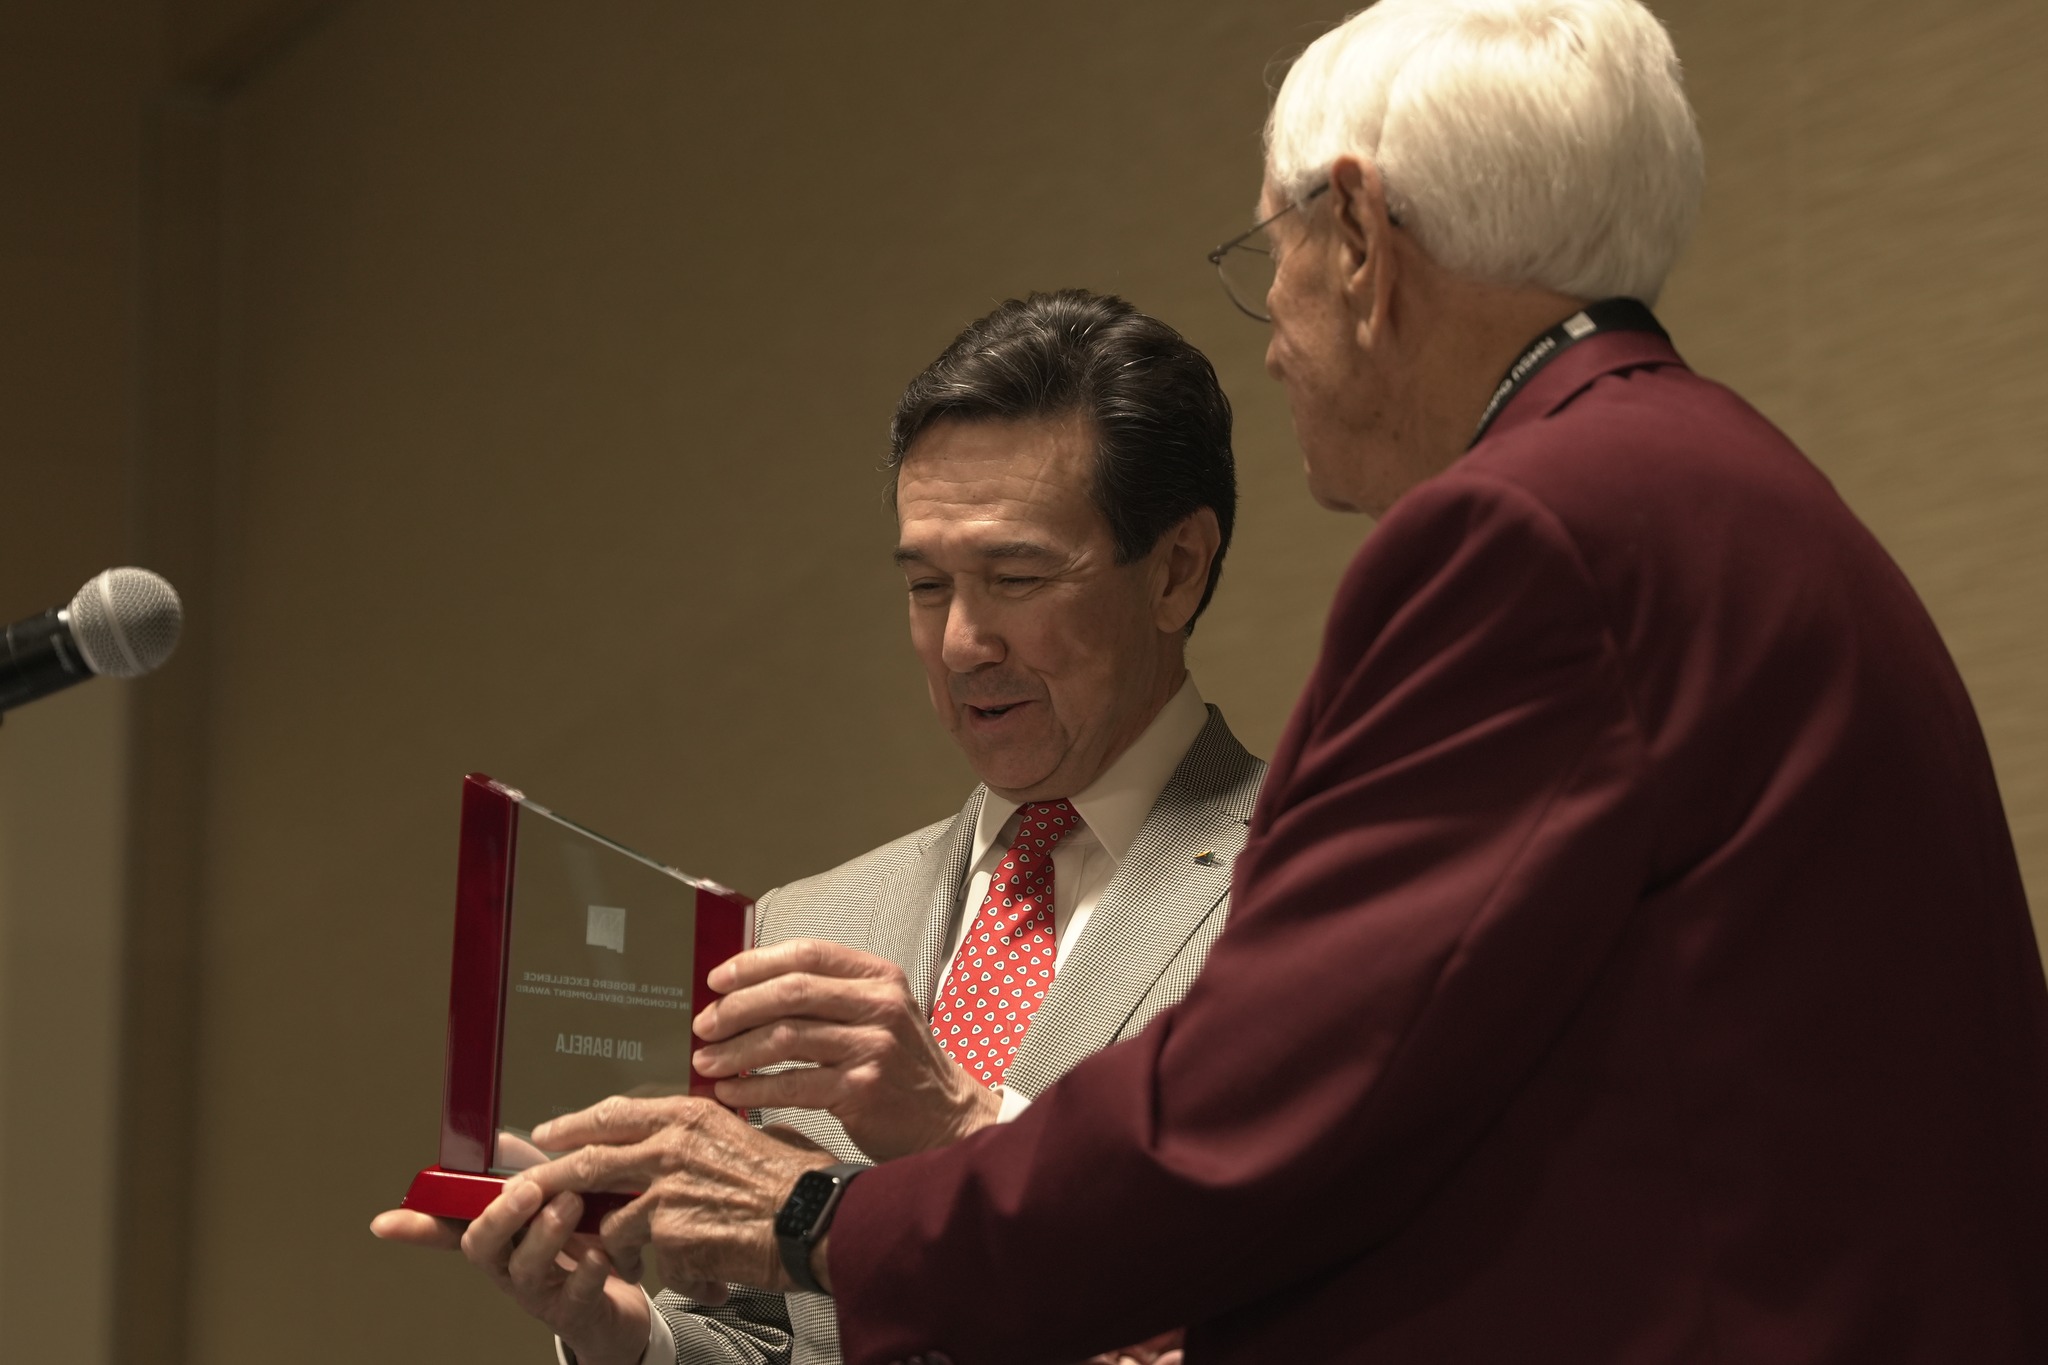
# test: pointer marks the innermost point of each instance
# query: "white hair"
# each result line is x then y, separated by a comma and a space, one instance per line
1542, 142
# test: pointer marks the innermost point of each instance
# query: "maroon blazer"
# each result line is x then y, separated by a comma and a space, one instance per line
1629, 964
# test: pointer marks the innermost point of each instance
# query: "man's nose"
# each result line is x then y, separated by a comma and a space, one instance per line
970, 641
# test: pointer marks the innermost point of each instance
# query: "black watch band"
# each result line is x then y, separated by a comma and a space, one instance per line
807, 1215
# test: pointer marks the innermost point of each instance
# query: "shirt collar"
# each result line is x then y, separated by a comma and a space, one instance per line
1116, 804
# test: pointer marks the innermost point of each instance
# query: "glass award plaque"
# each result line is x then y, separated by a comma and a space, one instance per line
578, 967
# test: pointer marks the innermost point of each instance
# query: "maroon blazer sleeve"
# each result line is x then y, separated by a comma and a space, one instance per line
1448, 846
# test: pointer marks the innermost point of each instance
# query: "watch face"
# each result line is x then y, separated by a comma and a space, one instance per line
805, 1203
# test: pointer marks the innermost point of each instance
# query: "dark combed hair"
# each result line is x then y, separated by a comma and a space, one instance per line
1162, 423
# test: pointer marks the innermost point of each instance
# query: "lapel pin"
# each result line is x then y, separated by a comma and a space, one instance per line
1206, 858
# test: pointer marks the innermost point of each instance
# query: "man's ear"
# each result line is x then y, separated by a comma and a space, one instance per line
1183, 557
1365, 234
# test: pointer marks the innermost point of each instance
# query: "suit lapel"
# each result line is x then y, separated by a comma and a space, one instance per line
1151, 907
914, 913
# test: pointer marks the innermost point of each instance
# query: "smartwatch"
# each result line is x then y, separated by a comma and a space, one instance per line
807, 1215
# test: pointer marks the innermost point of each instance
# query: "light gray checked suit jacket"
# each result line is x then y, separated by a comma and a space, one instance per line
1137, 955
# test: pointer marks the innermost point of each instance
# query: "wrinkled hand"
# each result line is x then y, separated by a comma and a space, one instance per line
878, 1069
1164, 1349
555, 1276
711, 1187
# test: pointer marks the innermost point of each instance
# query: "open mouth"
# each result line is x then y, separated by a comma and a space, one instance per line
991, 712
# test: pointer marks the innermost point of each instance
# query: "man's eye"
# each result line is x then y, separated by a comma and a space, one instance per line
1012, 581
926, 588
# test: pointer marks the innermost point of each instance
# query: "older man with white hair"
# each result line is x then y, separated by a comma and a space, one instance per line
1630, 961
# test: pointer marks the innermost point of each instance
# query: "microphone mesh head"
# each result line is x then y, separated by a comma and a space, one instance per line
126, 622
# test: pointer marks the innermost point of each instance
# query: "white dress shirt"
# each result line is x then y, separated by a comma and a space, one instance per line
1113, 808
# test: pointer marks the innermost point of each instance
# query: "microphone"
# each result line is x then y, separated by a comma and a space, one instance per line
122, 624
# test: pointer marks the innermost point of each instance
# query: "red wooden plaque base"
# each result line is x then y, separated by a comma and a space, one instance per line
462, 1195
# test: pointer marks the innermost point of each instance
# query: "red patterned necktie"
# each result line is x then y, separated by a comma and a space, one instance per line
1004, 966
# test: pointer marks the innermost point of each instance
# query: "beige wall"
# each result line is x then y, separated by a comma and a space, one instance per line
62, 831
73, 79
513, 382
1870, 274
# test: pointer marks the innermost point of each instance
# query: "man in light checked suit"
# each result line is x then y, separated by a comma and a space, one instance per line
1064, 496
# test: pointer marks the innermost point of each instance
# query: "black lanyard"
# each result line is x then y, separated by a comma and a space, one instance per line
1608, 315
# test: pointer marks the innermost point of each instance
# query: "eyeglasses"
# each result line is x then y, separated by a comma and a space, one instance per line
1245, 262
